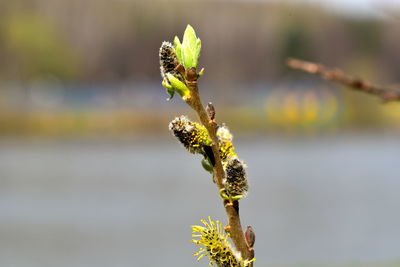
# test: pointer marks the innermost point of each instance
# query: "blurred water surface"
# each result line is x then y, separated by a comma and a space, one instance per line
319, 201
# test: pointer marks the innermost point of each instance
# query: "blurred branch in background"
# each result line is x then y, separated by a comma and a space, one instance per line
337, 75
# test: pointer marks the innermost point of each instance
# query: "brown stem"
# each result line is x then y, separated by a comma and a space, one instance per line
232, 209
386, 94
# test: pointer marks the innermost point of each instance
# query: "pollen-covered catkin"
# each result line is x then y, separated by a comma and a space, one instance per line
235, 183
214, 244
192, 135
225, 143
168, 60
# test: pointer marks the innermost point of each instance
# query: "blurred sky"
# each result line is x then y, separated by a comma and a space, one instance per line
368, 7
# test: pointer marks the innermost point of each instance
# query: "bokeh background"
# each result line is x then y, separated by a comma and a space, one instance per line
90, 175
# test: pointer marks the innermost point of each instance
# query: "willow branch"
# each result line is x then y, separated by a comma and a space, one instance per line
337, 75
231, 208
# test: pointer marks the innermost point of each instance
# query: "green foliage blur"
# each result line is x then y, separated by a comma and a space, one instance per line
34, 47
91, 67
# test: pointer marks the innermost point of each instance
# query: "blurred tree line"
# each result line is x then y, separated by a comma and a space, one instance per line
48, 45
102, 40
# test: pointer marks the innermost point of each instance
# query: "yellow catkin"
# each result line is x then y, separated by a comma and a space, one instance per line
192, 135
214, 244
225, 143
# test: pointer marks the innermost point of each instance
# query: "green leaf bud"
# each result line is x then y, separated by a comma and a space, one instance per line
170, 90
178, 86
197, 52
201, 72
206, 165
178, 49
189, 49
187, 57
189, 37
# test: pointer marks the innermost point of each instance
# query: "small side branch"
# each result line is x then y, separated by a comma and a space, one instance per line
386, 94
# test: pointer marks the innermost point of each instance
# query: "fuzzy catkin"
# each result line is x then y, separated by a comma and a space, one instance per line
168, 61
214, 244
192, 135
235, 183
225, 144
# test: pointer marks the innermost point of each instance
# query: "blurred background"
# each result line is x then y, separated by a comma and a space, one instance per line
91, 176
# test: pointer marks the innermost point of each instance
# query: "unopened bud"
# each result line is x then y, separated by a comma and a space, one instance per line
191, 75
250, 237
210, 111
